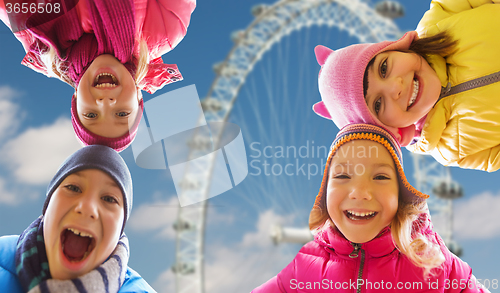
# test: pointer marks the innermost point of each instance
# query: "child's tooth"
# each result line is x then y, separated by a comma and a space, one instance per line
83, 234
77, 232
414, 93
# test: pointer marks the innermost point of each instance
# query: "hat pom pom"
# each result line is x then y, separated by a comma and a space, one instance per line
322, 54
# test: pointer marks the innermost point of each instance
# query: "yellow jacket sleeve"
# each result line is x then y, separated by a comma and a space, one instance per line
441, 9
464, 129
486, 160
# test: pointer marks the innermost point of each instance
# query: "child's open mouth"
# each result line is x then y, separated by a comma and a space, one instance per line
105, 80
356, 216
76, 245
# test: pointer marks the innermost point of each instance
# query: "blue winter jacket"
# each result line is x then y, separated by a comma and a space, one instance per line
10, 283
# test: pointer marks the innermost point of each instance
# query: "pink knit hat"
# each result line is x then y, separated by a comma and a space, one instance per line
86, 137
341, 84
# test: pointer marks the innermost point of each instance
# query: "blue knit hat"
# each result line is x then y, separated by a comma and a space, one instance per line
96, 157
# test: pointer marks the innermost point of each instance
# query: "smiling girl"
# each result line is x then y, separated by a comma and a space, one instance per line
372, 230
108, 51
436, 89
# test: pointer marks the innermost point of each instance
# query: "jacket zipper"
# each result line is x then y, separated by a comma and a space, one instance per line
468, 85
354, 254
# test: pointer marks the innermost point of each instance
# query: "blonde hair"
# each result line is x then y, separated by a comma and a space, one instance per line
417, 247
58, 68
55, 67
422, 251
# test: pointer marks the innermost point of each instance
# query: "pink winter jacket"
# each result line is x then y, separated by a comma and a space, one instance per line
331, 263
162, 23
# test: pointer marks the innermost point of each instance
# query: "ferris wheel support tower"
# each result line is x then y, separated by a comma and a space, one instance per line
271, 24
434, 179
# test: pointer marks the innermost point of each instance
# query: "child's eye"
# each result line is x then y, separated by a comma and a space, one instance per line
122, 114
109, 199
382, 177
377, 105
73, 188
383, 68
341, 176
90, 115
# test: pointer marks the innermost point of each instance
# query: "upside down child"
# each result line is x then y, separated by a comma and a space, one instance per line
108, 52
436, 89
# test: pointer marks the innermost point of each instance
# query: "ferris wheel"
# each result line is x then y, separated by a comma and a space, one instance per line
434, 179
354, 21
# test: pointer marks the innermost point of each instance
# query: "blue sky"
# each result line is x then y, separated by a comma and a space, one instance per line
273, 111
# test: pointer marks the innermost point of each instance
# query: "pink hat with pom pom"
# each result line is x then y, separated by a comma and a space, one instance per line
86, 137
341, 83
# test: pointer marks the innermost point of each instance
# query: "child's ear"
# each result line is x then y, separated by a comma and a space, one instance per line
322, 53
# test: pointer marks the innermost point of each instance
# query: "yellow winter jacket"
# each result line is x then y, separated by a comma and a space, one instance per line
464, 129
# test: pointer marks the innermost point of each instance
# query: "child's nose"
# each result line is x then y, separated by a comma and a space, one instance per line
395, 88
107, 100
361, 192
87, 207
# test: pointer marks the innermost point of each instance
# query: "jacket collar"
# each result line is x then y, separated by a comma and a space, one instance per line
383, 244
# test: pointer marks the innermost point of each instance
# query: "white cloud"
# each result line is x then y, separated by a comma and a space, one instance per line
242, 266
35, 155
266, 222
165, 282
159, 215
6, 197
478, 217
10, 115
12, 194
31, 157
251, 262
162, 214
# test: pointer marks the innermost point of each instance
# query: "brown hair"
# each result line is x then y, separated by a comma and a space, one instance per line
440, 44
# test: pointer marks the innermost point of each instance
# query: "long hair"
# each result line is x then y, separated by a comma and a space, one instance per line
440, 44
419, 249
422, 251
58, 68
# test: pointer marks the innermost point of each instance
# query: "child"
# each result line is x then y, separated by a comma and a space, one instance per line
404, 85
108, 51
372, 232
77, 244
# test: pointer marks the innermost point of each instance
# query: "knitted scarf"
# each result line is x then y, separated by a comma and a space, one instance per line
113, 33
114, 26
33, 269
